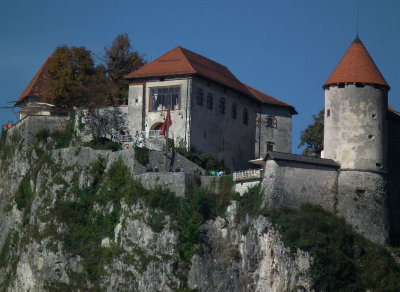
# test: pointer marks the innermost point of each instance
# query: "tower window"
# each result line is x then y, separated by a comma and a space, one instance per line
371, 136
373, 116
328, 113
359, 85
379, 164
341, 85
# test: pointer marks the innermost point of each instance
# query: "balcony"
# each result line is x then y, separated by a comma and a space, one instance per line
250, 174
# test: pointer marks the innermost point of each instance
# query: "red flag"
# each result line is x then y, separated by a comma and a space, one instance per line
167, 124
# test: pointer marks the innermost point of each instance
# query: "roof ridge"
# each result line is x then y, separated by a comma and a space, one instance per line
187, 60
266, 94
190, 51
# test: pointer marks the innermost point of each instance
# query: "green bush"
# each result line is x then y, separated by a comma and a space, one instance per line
24, 193
141, 155
42, 135
250, 202
24, 198
3, 136
103, 144
342, 259
5, 250
203, 160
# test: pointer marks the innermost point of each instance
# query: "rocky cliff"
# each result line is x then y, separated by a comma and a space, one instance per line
77, 219
72, 218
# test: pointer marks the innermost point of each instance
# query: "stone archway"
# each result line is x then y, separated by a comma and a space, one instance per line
156, 126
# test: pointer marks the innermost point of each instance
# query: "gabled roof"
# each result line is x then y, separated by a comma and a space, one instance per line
36, 86
180, 61
356, 66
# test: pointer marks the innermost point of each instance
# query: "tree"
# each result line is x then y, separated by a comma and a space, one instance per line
313, 136
120, 60
73, 79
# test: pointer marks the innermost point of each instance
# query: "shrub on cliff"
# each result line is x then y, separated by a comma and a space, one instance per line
343, 260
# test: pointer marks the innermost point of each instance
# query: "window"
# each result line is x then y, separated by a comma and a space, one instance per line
163, 97
234, 111
270, 146
271, 122
199, 97
245, 116
328, 113
210, 101
222, 105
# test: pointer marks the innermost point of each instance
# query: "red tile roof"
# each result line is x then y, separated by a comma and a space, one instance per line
36, 86
356, 66
268, 99
180, 61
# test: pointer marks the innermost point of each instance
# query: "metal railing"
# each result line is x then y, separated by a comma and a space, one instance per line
248, 174
151, 134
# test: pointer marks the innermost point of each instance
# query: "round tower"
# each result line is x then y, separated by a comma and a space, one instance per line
355, 136
355, 131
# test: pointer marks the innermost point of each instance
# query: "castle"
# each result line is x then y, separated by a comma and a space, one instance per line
358, 176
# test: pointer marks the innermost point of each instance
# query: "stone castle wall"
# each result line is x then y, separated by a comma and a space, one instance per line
362, 202
290, 183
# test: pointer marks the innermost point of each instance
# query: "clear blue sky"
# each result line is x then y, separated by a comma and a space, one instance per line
287, 49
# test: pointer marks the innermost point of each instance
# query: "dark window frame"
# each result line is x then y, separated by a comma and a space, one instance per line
210, 102
271, 122
221, 107
245, 116
163, 98
234, 111
200, 97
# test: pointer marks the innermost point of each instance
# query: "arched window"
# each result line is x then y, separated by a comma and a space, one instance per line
245, 116
234, 111
222, 105
199, 97
210, 101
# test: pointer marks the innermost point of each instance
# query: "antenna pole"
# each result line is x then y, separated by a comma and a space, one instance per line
358, 15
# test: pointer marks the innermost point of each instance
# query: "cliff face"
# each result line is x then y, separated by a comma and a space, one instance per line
69, 221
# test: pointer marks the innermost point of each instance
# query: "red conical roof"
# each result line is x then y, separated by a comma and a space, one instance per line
356, 66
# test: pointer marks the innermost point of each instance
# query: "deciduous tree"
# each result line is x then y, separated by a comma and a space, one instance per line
313, 136
73, 79
120, 60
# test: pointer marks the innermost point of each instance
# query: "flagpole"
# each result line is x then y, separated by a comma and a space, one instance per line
166, 152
